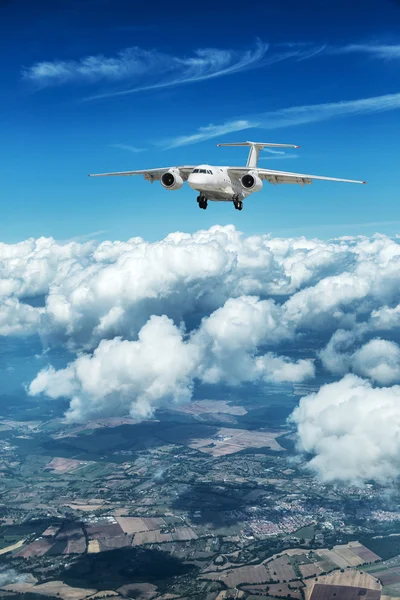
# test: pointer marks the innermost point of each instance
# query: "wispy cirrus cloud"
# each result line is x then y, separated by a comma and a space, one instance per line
270, 151
280, 157
211, 131
380, 51
299, 115
135, 63
277, 155
142, 70
84, 237
296, 115
150, 69
128, 148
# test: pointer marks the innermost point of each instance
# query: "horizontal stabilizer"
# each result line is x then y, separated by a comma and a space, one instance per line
259, 144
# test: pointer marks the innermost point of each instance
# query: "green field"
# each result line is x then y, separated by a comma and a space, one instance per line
9, 540
306, 532
386, 547
110, 570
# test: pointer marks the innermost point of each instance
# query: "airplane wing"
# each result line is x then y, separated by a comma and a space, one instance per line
285, 176
149, 174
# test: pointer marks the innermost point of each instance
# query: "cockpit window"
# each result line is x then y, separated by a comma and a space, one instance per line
202, 171
195, 170
210, 172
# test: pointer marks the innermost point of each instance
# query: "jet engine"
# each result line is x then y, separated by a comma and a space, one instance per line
251, 181
172, 179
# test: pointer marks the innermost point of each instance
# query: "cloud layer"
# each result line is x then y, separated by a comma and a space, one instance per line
147, 321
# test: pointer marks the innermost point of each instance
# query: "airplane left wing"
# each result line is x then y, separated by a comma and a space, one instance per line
149, 174
276, 177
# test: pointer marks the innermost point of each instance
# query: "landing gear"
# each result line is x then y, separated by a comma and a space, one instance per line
202, 201
238, 204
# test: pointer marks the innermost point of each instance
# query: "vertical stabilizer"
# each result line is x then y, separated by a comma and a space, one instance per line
255, 147
254, 153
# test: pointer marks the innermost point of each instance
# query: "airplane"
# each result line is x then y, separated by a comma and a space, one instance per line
226, 184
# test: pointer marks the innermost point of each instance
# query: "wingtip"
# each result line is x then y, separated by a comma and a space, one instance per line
364, 182
297, 146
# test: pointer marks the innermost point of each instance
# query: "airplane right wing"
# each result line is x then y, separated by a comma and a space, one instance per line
276, 177
149, 174
287, 177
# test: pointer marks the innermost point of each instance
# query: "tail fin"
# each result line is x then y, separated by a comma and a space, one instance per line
255, 148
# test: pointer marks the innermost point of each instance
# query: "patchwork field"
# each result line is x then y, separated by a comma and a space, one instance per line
229, 441
281, 569
37, 548
284, 590
276, 589
388, 572
350, 577
364, 553
348, 555
12, 547
310, 570
103, 530
136, 524
65, 465
234, 577
332, 592
51, 531
202, 407
85, 507
52, 588
180, 534
144, 591
98, 424
94, 546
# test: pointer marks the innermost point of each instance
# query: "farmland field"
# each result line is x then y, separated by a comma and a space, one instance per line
156, 537
281, 569
52, 588
350, 577
234, 577
230, 441
331, 592
348, 555
136, 524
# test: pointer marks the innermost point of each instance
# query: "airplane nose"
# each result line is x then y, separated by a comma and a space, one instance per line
197, 181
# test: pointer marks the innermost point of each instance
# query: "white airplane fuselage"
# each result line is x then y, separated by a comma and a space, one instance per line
214, 183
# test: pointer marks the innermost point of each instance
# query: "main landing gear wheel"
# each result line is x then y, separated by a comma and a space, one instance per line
238, 204
202, 202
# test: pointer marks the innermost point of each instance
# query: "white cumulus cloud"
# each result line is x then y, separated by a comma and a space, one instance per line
126, 376
377, 359
161, 366
352, 429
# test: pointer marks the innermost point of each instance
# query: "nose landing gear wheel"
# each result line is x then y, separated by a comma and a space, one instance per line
202, 202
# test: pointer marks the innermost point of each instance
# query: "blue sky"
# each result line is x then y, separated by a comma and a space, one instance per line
95, 85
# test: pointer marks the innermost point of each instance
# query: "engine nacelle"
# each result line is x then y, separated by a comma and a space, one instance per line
251, 181
172, 179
